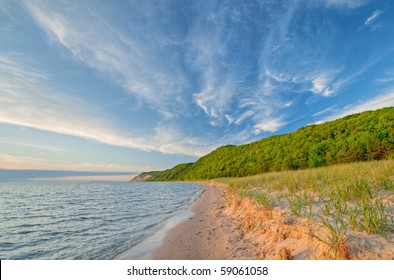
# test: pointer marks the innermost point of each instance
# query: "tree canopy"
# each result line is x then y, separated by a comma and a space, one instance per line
358, 137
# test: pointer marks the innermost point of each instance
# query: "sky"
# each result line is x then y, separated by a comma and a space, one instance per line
131, 86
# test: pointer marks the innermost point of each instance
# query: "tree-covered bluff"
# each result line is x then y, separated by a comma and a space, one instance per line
358, 137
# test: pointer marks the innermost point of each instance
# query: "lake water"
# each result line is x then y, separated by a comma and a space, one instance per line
85, 220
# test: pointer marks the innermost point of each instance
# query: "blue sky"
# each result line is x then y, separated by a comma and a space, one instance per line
144, 85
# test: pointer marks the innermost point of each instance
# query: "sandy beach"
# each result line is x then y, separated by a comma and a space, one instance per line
208, 235
226, 227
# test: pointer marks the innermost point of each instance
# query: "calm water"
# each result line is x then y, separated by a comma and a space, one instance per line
84, 220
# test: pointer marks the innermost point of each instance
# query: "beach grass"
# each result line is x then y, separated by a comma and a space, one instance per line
343, 199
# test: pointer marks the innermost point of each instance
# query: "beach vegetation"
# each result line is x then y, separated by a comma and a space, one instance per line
359, 137
343, 199
338, 174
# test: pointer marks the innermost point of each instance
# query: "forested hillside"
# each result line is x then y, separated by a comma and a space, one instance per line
359, 137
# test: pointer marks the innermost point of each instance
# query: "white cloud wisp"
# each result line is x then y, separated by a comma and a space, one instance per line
372, 18
382, 101
28, 100
134, 63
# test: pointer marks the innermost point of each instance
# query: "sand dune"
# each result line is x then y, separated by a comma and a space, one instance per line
228, 227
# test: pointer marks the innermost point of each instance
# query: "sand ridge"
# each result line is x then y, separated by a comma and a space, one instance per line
227, 227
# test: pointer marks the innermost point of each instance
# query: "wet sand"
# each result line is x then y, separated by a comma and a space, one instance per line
208, 235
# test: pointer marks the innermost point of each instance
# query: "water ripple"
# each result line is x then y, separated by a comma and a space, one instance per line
92, 220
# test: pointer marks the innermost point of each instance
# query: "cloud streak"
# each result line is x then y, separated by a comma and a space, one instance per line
8, 161
41, 147
189, 78
133, 62
372, 18
29, 101
381, 101
350, 4
136, 63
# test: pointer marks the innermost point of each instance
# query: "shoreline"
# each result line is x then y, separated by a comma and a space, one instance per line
208, 235
145, 249
228, 227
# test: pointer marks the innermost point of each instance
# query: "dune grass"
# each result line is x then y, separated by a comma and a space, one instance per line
354, 197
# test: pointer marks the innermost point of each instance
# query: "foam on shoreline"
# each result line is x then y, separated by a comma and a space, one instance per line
145, 249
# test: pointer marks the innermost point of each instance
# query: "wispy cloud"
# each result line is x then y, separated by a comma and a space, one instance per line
28, 100
381, 101
195, 69
268, 125
322, 112
351, 4
388, 77
226, 94
214, 74
8, 161
133, 62
289, 65
321, 85
372, 18
41, 147
114, 178
372, 21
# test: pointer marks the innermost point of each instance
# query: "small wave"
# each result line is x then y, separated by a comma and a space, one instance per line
89, 221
